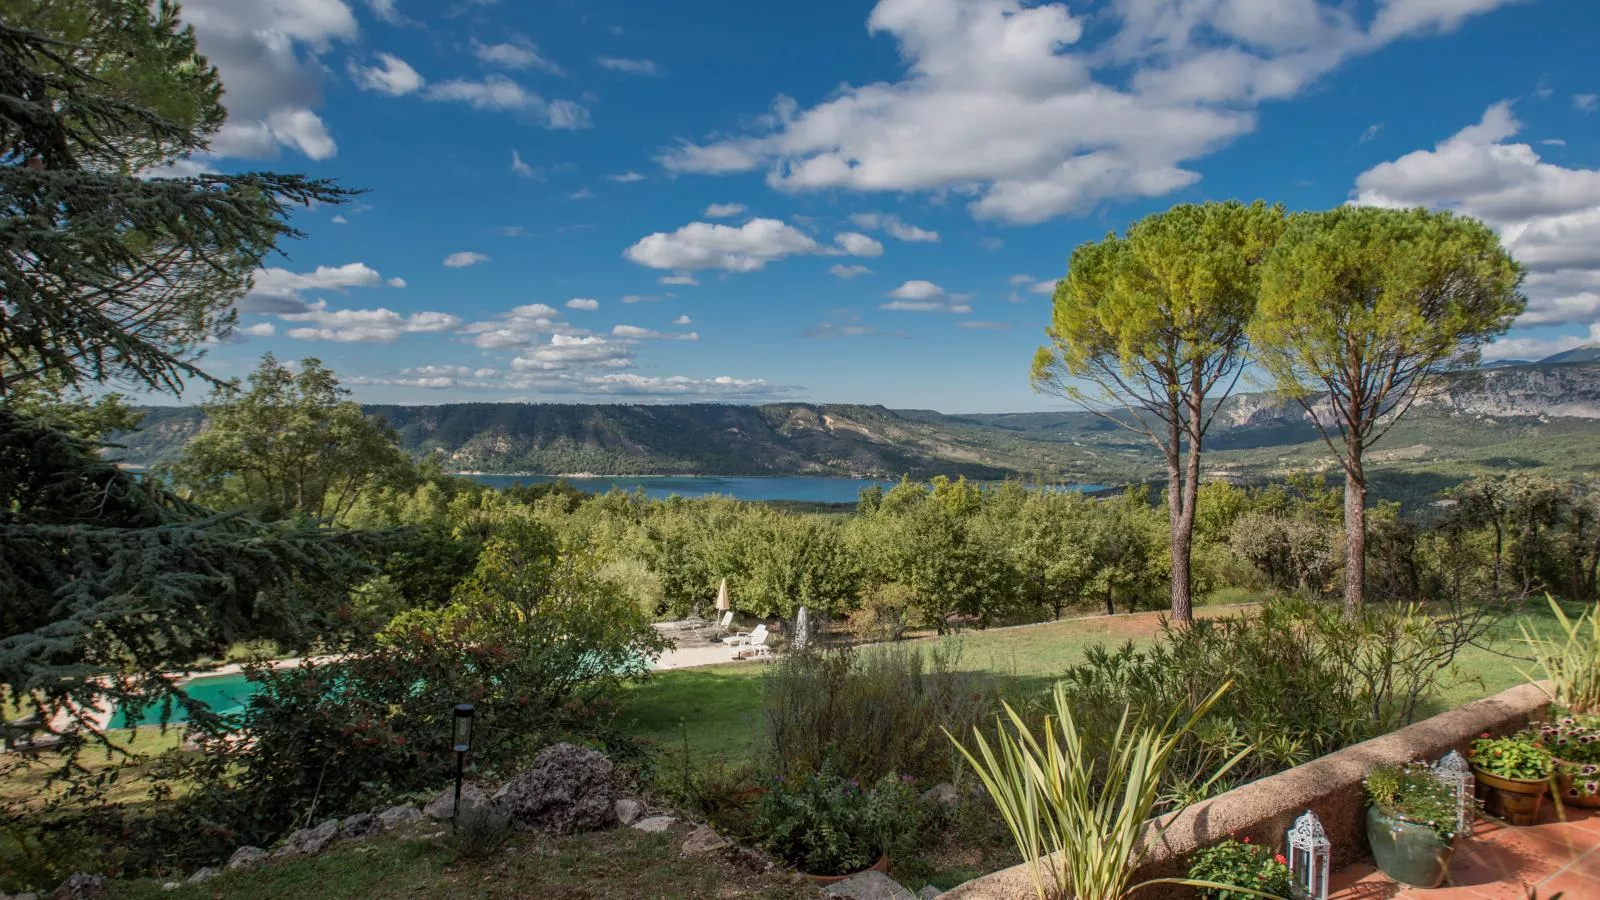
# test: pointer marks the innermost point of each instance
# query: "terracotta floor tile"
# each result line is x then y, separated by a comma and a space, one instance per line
1570, 886
1588, 865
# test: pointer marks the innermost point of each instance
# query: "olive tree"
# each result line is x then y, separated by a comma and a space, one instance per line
1361, 309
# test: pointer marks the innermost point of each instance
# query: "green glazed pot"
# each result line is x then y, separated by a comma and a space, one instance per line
1409, 853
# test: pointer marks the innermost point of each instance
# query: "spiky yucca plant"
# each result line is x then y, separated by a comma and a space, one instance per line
1571, 660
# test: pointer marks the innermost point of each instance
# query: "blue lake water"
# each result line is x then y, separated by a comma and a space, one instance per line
814, 489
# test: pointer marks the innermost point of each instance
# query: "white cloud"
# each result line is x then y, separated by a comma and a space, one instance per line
463, 258
396, 282
677, 278
628, 66
392, 76
1047, 286
637, 333
1586, 103
1538, 348
1019, 280
522, 326
626, 177
518, 53
683, 320
364, 325
1370, 133
703, 245
275, 290
499, 93
724, 210
339, 220
583, 303
846, 324
580, 194
1547, 215
839, 270
980, 325
991, 244
260, 329
385, 10
1000, 102
520, 167
638, 298
573, 351
925, 296
895, 227
857, 244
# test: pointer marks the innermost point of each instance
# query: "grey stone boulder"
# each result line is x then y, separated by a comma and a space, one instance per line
928, 892
566, 790
359, 827
703, 840
655, 824
80, 886
246, 858
395, 816
29, 895
310, 841
443, 807
629, 811
943, 792
202, 876
870, 885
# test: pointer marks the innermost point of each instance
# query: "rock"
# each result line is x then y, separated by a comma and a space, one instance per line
566, 790
943, 792
204, 875
443, 807
80, 886
928, 892
655, 824
359, 827
30, 895
172, 885
629, 810
246, 858
703, 840
395, 816
869, 885
310, 841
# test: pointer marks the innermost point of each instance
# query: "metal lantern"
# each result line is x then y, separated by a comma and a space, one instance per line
1454, 771
462, 737
1308, 856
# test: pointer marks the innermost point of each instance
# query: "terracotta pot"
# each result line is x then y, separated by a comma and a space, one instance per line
1517, 800
882, 865
1408, 852
1570, 794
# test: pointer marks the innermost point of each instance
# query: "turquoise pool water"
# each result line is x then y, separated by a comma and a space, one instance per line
225, 694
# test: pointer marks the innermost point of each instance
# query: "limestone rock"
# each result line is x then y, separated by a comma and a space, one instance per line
703, 840
310, 841
246, 858
943, 792
359, 827
629, 810
443, 807
928, 892
870, 885
30, 895
171, 885
395, 816
566, 790
655, 824
203, 875
80, 886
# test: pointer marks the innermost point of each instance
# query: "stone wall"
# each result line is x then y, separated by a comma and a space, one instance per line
1264, 809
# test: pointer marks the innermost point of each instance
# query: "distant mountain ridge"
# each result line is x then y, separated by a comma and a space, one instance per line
1471, 408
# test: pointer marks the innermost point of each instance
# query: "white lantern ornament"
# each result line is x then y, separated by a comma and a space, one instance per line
1308, 856
1453, 770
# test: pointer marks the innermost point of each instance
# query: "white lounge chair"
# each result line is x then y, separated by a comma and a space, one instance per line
722, 626
747, 637
756, 647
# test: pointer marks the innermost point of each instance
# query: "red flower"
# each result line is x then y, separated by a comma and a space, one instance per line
1247, 839
1278, 858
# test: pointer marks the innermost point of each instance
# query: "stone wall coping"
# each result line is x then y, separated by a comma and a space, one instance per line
1263, 810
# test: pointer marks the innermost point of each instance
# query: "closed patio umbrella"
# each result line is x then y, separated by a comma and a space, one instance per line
802, 625
723, 602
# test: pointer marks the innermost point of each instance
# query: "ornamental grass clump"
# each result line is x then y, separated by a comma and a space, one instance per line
1080, 818
1414, 793
1571, 660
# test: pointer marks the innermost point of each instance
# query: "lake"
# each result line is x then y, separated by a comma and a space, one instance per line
804, 488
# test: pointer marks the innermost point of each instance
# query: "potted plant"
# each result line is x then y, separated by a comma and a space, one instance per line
830, 827
1516, 770
1574, 745
1254, 869
1411, 823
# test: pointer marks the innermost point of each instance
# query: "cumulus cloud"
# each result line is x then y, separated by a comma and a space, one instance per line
857, 244
1586, 103
583, 303
1048, 286
1002, 102
518, 53
649, 334
463, 258
683, 320
522, 168
628, 66
260, 329
895, 227
839, 270
626, 177
392, 75
1535, 348
980, 325
565, 351
498, 93
638, 298
275, 290
724, 210
925, 296
678, 278
521, 326
1547, 215
703, 245
363, 325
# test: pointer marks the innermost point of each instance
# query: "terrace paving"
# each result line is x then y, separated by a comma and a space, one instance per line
1500, 862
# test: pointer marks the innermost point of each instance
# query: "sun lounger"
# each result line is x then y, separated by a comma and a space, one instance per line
747, 637
756, 647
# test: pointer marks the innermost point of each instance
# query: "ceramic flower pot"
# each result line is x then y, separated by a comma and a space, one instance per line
882, 865
1406, 851
1579, 783
1516, 800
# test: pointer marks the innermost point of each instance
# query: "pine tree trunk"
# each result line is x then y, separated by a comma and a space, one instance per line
1355, 532
1180, 521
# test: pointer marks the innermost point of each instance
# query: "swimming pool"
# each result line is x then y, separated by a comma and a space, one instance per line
225, 694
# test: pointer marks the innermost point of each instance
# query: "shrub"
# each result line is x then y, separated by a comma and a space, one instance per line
874, 711
826, 824
1414, 793
1242, 864
883, 614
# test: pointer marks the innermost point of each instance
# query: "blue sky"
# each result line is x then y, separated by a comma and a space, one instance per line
845, 202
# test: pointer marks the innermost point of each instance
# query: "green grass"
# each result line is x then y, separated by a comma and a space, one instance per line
616, 863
